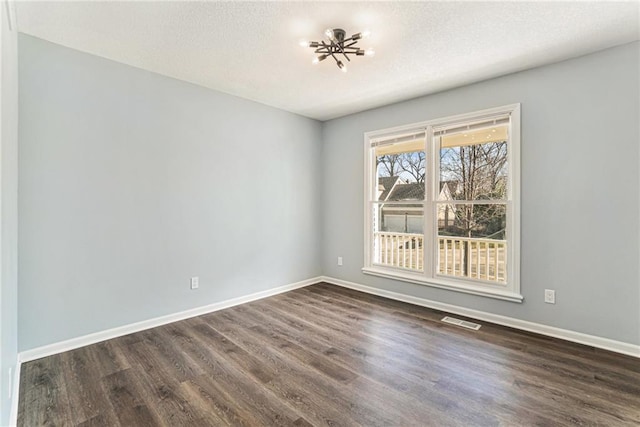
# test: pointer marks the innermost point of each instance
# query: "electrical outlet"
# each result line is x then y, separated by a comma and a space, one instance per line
195, 283
339, 260
549, 296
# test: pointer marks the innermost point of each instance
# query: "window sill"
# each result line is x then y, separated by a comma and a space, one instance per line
467, 288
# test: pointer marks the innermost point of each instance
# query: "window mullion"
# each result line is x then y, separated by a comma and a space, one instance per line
369, 163
429, 207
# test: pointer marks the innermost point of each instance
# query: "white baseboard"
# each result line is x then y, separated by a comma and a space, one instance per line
565, 334
15, 394
96, 337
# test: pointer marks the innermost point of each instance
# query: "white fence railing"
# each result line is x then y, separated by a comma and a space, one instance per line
482, 259
400, 250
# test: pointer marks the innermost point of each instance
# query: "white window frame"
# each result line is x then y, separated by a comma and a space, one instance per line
509, 291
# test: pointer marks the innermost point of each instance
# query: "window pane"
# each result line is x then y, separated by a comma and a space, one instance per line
398, 236
472, 241
400, 171
473, 165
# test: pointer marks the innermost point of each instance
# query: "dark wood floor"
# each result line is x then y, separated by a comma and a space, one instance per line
325, 355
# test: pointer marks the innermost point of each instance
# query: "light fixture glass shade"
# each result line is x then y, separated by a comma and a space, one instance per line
370, 52
329, 33
318, 59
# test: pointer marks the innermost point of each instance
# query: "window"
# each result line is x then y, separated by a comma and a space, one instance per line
442, 203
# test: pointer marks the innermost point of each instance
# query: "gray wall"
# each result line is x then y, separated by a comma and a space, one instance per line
9, 212
580, 190
131, 182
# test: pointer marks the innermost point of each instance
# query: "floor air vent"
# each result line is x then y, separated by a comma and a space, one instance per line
463, 323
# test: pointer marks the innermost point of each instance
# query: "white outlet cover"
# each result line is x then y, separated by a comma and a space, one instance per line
195, 282
550, 296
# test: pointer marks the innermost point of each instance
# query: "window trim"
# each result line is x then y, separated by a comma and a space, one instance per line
509, 291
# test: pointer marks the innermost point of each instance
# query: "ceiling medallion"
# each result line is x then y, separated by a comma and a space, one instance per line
338, 46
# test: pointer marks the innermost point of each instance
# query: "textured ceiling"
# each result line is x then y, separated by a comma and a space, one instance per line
251, 49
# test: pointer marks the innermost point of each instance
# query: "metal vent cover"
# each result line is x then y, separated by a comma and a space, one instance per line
460, 322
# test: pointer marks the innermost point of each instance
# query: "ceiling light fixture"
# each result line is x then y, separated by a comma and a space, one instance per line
338, 46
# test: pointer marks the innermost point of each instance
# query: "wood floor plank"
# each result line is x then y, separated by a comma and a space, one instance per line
46, 401
325, 355
126, 398
108, 357
86, 398
161, 391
